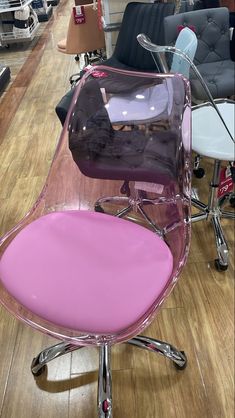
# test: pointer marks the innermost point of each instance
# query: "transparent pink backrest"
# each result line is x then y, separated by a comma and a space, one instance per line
121, 126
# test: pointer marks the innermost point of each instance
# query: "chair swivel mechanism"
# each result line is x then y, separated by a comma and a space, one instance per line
213, 130
92, 279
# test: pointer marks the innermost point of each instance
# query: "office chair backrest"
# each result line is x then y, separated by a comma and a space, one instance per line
187, 43
141, 18
122, 139
212, 57
211, 27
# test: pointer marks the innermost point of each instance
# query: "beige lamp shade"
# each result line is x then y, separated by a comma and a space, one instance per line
83, 37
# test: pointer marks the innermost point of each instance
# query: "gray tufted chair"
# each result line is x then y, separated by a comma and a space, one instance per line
213, 53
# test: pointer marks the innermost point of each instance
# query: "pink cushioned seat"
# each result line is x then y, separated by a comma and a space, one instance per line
86, 271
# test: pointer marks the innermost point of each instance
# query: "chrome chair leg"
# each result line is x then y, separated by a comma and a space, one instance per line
114, 199
134, 204
199, 217
221, 203
50, 353
151, 344
228, 215
108, 199
199, 205
221, 244
149, 220
123, 212
105, 383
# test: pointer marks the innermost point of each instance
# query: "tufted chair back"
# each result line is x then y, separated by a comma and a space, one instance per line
212, 29
213, 52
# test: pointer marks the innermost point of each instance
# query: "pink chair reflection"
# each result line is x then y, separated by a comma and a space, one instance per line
92, 279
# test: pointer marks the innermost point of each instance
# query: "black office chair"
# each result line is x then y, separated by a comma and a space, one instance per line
128, 55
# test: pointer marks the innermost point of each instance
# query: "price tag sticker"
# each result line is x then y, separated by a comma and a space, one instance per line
79, 15
226, 182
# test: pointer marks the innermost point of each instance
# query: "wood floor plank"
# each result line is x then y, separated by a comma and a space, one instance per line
164, 391
212, 317
23, 396
8, 333
12, 214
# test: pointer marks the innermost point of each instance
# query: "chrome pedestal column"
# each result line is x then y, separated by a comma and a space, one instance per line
105, 383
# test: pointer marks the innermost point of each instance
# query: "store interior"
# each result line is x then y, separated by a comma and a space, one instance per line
37, 69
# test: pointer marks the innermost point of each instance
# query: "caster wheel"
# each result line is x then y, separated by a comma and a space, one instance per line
178, 367
125, 189
199, 172
40, 371
232, 201
98, 208
219, 266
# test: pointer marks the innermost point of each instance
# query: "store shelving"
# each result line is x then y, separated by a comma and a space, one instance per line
7, 38
7, 33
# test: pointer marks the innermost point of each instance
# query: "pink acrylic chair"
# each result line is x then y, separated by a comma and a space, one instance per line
92, 279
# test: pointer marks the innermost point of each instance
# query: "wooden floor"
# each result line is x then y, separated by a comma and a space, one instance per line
198, 317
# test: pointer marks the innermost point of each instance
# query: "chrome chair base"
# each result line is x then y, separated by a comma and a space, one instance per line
104, 396
132, 204
213, 211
